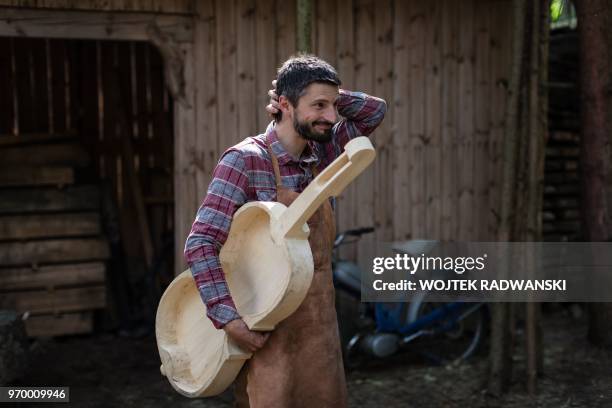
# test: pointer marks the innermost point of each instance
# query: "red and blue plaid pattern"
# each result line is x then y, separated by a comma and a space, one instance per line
244, 173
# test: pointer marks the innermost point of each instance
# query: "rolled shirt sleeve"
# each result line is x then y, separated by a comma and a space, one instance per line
226, 193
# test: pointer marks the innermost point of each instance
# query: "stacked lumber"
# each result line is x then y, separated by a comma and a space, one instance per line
561, 215
52, 248
561, 212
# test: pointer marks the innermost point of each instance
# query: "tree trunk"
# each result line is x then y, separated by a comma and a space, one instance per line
593, 23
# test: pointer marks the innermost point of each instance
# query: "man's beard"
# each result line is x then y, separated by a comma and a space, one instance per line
307, 131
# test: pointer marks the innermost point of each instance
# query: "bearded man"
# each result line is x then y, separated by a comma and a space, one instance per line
299, 363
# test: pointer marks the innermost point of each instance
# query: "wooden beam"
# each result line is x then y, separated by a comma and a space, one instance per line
55, 301
32, 138
15, 176
52, 276
185, 168
15, 227
53, 250
18, 22
66, 154
71, 198
57, 325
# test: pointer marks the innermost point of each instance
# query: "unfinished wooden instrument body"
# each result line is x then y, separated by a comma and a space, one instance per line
268, 266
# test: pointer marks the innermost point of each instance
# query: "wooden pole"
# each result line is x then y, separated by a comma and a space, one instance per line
304, 26
595, 101
500, 357
538, 128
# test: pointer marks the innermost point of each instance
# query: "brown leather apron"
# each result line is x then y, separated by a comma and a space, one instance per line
301, 363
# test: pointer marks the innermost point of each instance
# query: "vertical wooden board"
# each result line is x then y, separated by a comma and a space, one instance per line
325, 29
433, 108
160, 142
89, 98
138, 90
501, 44
416, 49
207, 102
383, 87
346, 65
449, 206
493, 182
401, 139
266, 46
225, 12
246, 100
107, 118
24, 84
74, 101
466, 123
15, 91
38, 75
364, 78
147, 138
185, 198
57, 49
162, 120
482, 103
6, 88
285, 29
123, 117
69, 73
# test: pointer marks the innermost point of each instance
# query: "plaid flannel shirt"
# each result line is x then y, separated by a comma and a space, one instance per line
244, 173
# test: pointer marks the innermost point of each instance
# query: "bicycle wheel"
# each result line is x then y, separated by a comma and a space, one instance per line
451, 338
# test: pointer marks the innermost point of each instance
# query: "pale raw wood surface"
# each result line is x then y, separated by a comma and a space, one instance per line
268, 266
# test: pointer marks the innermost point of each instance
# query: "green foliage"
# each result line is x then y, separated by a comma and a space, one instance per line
556, 9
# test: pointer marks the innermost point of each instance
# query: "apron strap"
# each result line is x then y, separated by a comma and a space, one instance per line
277, 175
276, 169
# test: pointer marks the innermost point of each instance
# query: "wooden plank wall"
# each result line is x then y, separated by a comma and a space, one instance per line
442, 67
238, 45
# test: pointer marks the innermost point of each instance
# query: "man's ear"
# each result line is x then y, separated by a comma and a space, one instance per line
285, 106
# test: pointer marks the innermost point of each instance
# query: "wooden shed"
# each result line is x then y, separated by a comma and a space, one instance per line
136, 100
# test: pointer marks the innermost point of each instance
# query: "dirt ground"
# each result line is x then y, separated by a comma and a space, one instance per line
112, 371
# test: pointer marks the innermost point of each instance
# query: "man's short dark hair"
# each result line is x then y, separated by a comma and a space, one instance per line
298, 72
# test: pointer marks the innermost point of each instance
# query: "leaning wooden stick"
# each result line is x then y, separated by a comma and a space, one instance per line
268, 266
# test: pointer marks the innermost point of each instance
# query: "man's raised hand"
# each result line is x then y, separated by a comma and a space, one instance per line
273, 107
